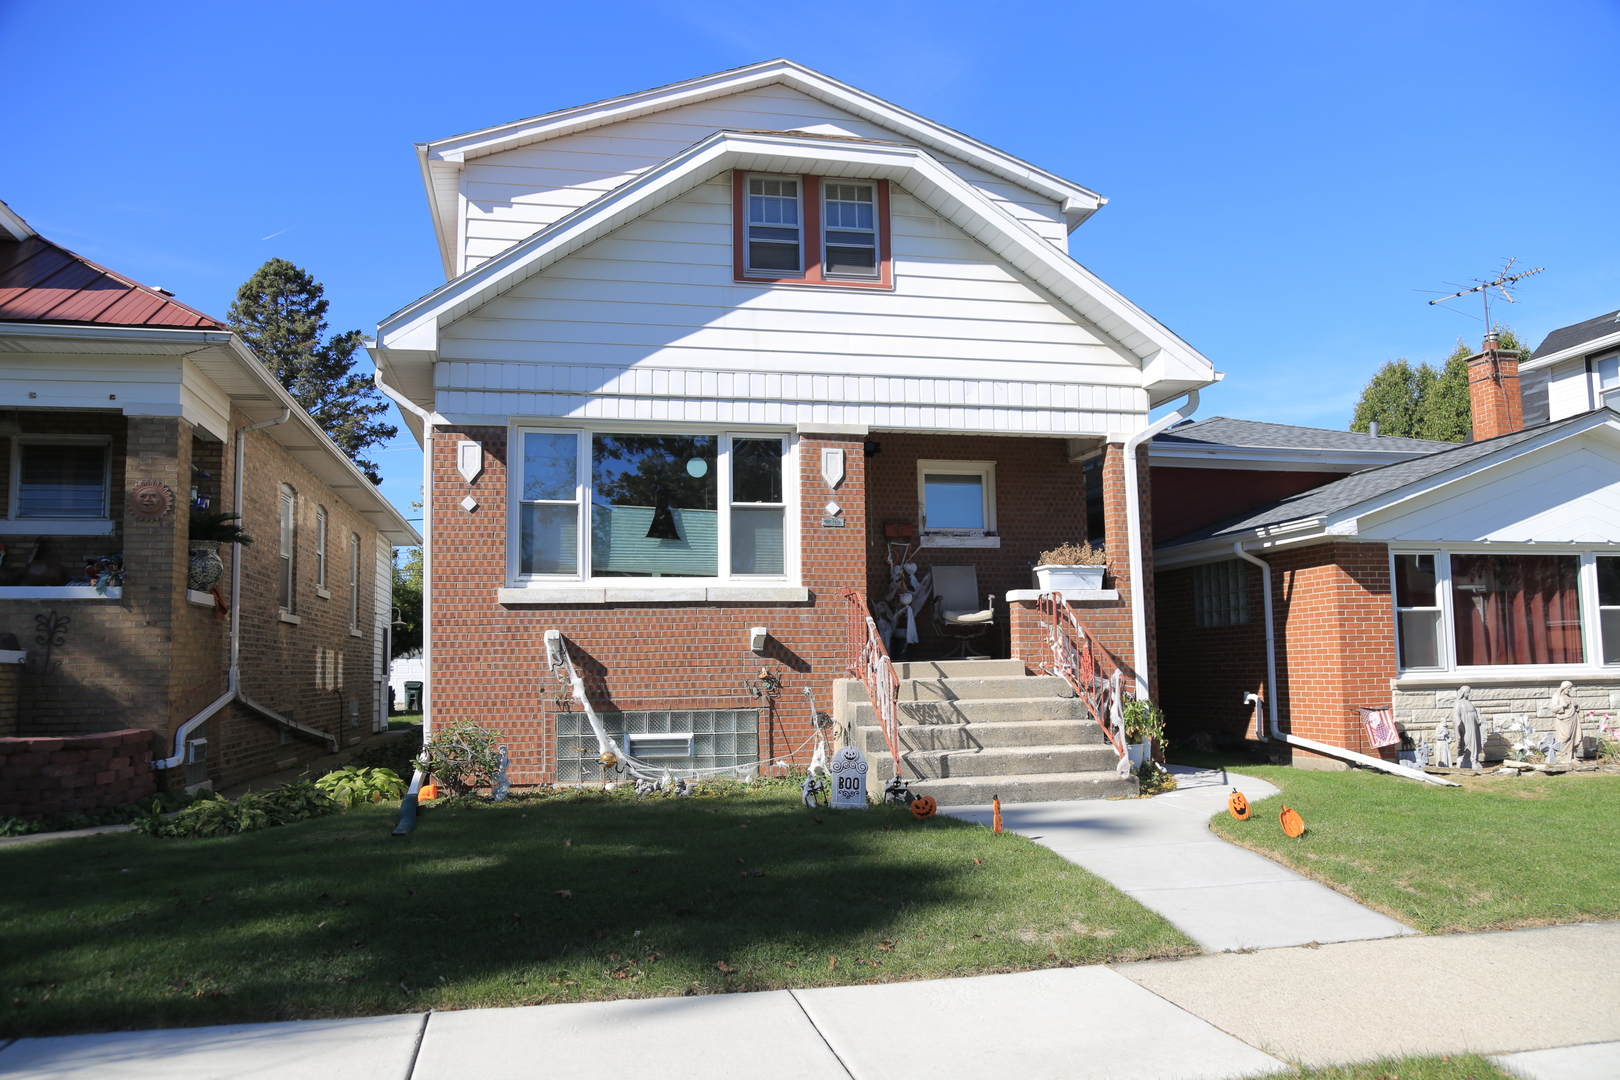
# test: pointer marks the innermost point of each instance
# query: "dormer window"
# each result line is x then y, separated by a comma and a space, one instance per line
811, 230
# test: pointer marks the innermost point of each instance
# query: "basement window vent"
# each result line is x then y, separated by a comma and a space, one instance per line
659, 746
196, 761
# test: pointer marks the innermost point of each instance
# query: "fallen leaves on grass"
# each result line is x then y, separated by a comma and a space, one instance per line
566, 894
725, 968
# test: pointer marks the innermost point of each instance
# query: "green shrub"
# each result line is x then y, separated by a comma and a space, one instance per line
219, 816
462, 756
354, 784
1144, 720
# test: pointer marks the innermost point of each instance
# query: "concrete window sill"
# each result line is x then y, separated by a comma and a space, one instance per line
288, 617
357, 633
582, 596
960, 541
59, 592
324, 594
201, 599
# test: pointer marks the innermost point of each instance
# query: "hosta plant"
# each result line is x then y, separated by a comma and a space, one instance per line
353, 784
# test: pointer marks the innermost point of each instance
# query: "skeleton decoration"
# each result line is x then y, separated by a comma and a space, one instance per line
817, 791
502, 784
896, 791
1470, 736
1566, 724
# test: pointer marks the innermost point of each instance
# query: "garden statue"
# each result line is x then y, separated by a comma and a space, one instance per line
1442, 744
502, 784
1470, 736
1566, 724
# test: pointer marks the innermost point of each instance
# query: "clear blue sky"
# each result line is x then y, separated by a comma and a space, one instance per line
1284, 178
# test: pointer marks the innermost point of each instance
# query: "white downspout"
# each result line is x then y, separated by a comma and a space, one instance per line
233, 680
427, 528
1271, 698
1134, 540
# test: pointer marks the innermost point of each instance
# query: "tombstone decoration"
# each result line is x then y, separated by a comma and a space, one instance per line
1470, 732
848, 779
1566, 724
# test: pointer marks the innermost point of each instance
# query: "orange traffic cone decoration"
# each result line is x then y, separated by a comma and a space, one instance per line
995, 813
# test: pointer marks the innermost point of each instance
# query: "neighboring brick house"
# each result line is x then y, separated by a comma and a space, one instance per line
1491, 564
697, 347
120, 409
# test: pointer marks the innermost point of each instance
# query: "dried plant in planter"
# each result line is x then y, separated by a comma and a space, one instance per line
1072, 554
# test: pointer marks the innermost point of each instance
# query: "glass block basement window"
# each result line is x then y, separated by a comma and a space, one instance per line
683, 740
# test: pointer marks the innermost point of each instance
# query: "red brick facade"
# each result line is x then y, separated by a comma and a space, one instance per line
48, 777
1335, 646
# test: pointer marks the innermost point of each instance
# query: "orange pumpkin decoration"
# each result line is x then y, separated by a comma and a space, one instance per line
427, 792
923, 807
995, 814
1238, 805
1292, 823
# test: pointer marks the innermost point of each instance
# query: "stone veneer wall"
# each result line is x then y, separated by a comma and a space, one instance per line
49, 776
1418, 712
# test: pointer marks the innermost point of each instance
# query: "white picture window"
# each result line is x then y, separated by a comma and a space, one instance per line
664, 506
849, 229
320, 549
775, 224
285, 553
957, 498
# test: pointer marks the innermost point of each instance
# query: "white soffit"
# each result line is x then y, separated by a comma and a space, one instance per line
411, 334
441, 160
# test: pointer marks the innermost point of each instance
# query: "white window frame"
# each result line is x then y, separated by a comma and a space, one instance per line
747, 262
1605, 392
321, 526
724, 585
877, 233
986, 537
287, 549
1450, 670
354, 583
88, 526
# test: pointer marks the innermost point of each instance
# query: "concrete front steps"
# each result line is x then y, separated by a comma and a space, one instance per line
974, 729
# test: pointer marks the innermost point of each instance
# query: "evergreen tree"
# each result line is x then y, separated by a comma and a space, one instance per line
281, 313
1394, 398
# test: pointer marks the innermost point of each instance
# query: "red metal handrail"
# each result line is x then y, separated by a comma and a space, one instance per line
1076, 656
868, 660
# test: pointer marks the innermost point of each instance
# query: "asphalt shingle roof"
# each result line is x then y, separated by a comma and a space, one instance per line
1358, 487
1225, 431
1567, 337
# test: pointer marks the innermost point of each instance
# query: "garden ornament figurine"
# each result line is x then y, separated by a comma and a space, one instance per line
502, 784
1566, 723
1470, 736
1442, 745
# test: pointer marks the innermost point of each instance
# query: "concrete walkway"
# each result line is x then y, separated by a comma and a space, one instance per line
1161, 852
1541, 1000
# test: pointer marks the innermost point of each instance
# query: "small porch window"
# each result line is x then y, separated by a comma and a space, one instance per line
59, 478
957, 502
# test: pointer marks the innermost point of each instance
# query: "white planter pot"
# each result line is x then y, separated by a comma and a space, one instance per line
1138, 752
1069, 578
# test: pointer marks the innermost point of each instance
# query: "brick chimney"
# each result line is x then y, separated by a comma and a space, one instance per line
1493, 391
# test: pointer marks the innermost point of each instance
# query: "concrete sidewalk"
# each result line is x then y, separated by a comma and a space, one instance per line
1542, 1000
1161, 853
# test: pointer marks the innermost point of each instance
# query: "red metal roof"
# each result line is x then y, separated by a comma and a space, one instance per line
41, 282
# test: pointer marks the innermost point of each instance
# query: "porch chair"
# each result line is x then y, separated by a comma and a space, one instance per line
956, 611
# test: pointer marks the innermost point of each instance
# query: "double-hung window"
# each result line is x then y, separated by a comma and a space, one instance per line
1502, 609
812, 230
354, 583
285, 552
1606, 372
320, 551
598, 505
59, 485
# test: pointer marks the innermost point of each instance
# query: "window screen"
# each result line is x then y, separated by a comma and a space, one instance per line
851, 229
57, 481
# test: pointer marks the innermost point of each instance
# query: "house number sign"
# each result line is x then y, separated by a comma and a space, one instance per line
848, 779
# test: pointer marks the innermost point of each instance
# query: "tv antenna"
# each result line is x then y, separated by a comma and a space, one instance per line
1500, 284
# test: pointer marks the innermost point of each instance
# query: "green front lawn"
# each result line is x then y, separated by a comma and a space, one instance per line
542, 899
1445, 1067
1497, 853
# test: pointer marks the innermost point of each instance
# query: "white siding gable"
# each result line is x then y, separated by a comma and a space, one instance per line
1568, 492
648, 323
510, 195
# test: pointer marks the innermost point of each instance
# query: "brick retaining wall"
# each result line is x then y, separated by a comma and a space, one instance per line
48, 776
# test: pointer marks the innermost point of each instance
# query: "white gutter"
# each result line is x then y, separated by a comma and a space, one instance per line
426, 531
1271, 699
233, 684
1134, 540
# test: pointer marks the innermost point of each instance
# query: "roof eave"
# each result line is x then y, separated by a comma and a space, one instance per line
1585, 348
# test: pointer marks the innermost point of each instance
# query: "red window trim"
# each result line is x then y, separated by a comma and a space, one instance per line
813, 241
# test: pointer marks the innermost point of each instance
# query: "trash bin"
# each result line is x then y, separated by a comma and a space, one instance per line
413, 697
